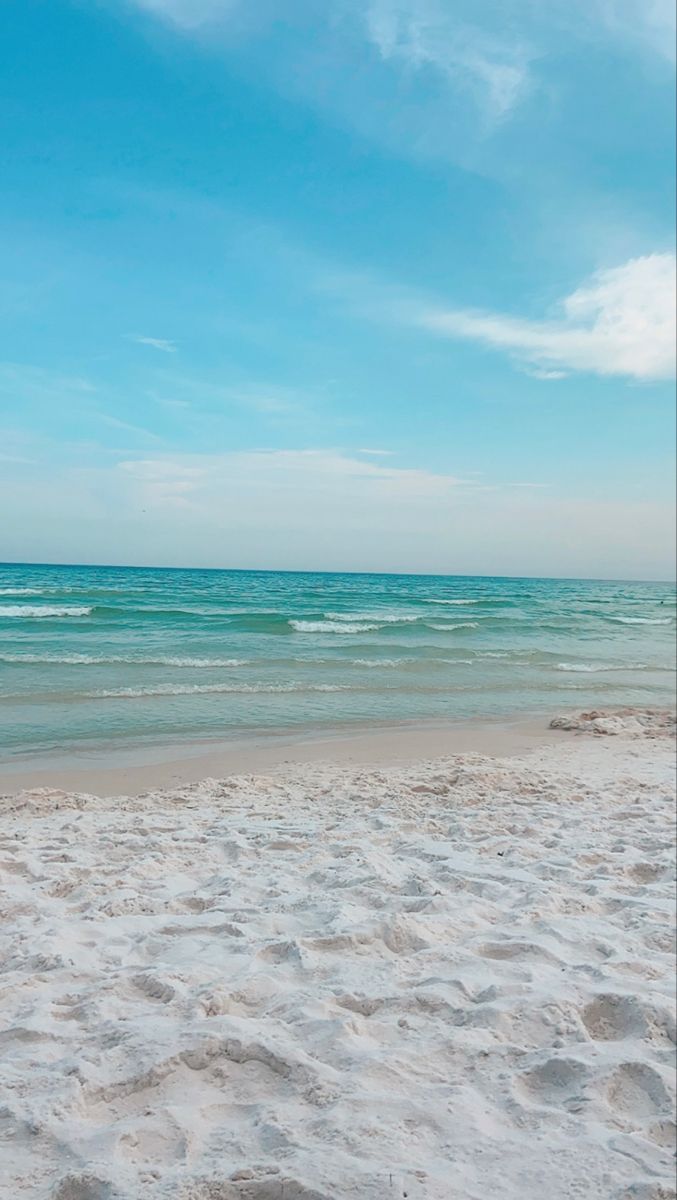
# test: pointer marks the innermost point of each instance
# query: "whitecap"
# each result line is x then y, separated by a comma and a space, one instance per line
129, 660
450, 625
642, 620
330, 627
384, 618
21, 591
188, 689
595, 667
34, 610
379, 662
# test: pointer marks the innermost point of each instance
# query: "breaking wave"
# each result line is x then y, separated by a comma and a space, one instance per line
332, 627
642, 620
33, 611
21, 591
383, 618
128, 660
458, 625
595, 667
189, 689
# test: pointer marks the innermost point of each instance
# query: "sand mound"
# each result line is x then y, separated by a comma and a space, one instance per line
629, 722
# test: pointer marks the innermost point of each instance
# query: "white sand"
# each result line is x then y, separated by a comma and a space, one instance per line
450, 981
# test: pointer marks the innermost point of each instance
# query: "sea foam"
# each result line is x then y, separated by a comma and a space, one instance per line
195, 689
45, 610
21, 591
87, 660
642, 620
332, 627
383, 618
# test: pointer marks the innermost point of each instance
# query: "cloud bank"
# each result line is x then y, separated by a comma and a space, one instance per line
323, 510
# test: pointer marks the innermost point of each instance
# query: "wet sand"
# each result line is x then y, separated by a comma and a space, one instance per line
111, 770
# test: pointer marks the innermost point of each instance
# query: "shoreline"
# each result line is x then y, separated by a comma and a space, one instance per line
130, 769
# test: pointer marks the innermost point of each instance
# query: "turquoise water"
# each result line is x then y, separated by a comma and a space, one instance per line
94, 655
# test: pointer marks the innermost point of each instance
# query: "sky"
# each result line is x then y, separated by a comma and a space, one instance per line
379, 285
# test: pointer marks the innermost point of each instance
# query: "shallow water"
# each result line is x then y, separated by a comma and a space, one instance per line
92, 655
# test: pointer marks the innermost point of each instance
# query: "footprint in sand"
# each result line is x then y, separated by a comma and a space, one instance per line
645, 872
154, 988
636, 1091
609, 1018
82, 1187
664, 1133
520, 951
646, 1190
245, 1186
553, 1082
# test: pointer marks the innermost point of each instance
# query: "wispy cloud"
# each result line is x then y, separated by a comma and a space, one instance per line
411, 35
645, 22
206, 394
267, 399
188, 14
492, 52
22, 381
167, 483
16, 460
426, 35
164, 344
127, 426
544, 373
302, 473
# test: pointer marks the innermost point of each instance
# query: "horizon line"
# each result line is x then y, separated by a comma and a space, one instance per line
328, 571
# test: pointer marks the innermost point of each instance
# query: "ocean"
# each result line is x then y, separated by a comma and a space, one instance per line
96, 656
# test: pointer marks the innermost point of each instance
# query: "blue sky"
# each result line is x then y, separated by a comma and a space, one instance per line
372, 284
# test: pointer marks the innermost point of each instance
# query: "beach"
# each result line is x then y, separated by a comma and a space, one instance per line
338, 604
436, 977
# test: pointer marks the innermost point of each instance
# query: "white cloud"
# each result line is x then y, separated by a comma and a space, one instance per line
163, 344
620, 322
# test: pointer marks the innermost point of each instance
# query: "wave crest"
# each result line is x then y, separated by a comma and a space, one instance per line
33, 611
383, 618
87, 660
642, 620
195, 689
21, 591
332, 627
